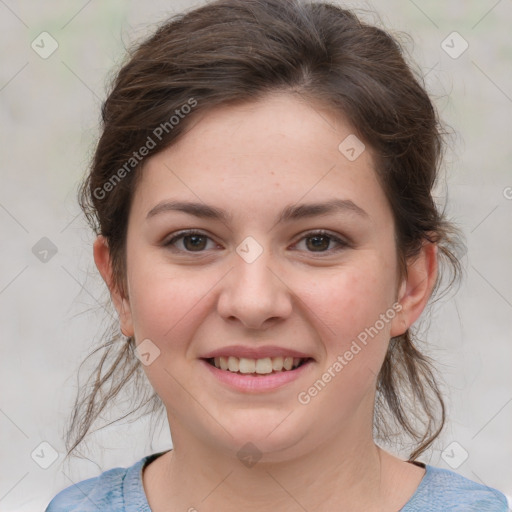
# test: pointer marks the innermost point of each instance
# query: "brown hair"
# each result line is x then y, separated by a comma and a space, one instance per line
237, 51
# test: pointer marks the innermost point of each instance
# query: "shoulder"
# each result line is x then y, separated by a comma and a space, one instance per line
99, 493
108, 491
444, 490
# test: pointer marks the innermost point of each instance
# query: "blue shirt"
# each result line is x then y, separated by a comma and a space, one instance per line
121, 490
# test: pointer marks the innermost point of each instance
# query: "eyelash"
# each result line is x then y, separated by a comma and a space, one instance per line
342, 244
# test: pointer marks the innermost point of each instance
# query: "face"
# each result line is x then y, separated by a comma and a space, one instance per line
264, 280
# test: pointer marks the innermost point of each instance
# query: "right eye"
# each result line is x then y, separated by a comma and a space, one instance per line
193, 241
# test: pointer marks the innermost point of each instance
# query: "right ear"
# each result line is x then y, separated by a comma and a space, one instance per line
103, 262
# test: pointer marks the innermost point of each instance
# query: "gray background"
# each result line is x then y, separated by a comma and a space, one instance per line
49, 310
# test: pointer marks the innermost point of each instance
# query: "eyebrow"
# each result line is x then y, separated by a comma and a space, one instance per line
289, 213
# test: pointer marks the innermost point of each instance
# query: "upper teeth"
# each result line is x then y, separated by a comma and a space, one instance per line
262, 366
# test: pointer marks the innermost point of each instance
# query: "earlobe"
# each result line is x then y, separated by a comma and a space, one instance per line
103, 263
416, 288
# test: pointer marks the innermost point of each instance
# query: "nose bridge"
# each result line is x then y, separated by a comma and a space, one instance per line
252, 292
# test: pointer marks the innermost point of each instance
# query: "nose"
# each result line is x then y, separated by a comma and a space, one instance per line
254, 294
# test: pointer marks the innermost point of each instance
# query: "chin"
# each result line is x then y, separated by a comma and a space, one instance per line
263, 436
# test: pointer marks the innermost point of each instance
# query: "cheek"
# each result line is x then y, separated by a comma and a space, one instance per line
354, 312
348, 302
167, 308
163, 305
159, 297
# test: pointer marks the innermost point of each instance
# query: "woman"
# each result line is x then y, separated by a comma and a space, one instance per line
262, 196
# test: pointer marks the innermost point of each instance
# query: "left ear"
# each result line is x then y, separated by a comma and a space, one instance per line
416, 288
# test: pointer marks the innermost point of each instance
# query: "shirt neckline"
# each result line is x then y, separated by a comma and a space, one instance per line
135, 497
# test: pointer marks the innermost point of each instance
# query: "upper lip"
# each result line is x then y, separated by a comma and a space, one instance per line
255, 352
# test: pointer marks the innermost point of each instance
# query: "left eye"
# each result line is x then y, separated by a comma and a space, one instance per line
321, 240
195, 241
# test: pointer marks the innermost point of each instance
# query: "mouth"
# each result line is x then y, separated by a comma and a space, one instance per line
257, 367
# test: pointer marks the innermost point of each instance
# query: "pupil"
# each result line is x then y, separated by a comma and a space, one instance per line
195, 239
319, 245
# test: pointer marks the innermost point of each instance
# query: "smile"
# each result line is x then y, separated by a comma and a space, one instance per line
263, 366
262, 375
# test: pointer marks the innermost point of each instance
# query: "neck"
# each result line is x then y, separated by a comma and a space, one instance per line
343, 471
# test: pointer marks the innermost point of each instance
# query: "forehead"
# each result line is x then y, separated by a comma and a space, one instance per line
258, 155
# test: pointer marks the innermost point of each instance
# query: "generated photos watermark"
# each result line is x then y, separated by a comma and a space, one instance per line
151, 143
305, 397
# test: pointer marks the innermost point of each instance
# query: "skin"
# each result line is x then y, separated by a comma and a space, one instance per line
252, 160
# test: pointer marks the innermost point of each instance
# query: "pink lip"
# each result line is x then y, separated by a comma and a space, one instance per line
255, 352
250, 383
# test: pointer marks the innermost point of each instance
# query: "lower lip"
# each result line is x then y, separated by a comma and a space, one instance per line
250, 383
